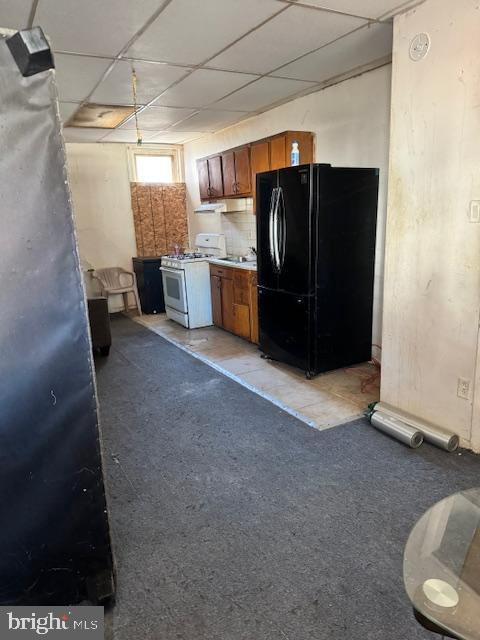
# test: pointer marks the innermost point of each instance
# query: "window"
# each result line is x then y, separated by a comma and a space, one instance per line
154, 168
159, 163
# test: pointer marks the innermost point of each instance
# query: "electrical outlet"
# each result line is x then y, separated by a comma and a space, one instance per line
474, 213
463, 388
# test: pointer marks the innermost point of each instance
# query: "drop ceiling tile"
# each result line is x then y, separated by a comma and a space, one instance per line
177, 137
130, 137
357, 49
152, 79
67, 109
74, 134
190, 31
210, 120
78, 75
14, 15
95, 116
262, 93
203, 87
93, 26
365, 8
293, 33
158, 118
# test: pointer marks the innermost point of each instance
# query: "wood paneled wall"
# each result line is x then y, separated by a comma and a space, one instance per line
160, 217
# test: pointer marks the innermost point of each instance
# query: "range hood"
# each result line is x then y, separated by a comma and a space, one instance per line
213, 207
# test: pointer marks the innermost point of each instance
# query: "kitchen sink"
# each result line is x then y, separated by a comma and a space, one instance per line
238, 259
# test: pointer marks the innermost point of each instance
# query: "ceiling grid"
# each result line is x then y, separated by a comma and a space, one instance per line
202, 66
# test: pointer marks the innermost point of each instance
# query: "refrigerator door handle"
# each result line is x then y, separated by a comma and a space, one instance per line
276, 233
282, 229
272, 231
277, 230
270, 224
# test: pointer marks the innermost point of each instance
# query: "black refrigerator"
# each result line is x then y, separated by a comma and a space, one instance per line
316, 228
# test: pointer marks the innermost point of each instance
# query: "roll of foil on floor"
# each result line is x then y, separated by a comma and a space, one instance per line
433, 434
397, 429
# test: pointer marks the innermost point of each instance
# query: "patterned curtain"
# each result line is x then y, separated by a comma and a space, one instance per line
160, 217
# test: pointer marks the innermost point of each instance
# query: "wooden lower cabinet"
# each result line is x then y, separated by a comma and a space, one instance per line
253, 308
228, 316
216, 289
241, 320
234, 300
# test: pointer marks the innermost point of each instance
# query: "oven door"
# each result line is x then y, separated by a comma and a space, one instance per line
174, 290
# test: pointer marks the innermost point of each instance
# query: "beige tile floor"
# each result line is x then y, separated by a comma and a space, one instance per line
328, 400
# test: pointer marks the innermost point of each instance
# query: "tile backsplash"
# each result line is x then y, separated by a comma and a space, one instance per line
239, 228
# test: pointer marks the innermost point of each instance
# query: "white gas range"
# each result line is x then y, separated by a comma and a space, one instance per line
186, 281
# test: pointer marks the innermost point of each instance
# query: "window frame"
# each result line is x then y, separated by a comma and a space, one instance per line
173, 151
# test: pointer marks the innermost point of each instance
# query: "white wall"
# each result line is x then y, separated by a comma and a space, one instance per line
100, 187
351, 124
432, 278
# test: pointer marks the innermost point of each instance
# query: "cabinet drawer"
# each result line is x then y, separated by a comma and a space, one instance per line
223, 272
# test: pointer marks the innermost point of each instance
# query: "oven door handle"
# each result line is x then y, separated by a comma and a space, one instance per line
176, 272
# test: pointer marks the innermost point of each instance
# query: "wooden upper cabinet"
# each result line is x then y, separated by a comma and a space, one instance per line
216, 176
243, 185
210, 177
233, 173
203, 179
305, 146
278, 152
281, 148
259, 159
236, 172
229, 179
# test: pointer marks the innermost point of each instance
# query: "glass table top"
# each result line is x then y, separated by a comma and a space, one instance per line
441, 565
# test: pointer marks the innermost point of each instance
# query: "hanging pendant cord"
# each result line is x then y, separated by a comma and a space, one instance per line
134, 91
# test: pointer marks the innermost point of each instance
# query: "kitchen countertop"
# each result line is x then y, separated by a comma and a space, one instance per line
249, 266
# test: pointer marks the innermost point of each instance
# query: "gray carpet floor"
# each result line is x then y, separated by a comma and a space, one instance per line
232, 520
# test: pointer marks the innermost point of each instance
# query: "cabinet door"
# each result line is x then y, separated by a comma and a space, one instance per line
216, 289
241, 320
242, 172
240, 286
227, 305
203, 179
278, 152
216, 177
228, 168
259, 162
259, 158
